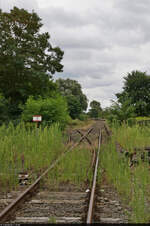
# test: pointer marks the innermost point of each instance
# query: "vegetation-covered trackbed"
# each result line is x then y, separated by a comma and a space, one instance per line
66, 202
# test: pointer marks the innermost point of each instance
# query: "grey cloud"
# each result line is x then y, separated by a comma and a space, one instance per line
88, 37
133, 18
102, 31
88, 68
90, 83
101, 94
78, 55
112, 38
6, 5
101, 40
65, 18
134, 6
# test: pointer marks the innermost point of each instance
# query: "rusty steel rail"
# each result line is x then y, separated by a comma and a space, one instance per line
10, 208
91, 203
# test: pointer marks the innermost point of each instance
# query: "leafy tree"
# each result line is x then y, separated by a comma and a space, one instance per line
74, 106
120, 112
84, 116
27, 59
77, 101
95, 110
51, 109
137, 89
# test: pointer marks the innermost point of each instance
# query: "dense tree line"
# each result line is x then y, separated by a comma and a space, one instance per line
136, 89
28, 63
95, 110
134, 100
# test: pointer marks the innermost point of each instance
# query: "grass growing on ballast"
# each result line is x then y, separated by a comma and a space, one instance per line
74, 168
131, 137
26, 149
132, 183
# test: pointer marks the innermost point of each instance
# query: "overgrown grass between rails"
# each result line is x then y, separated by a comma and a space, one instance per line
74, 168
25, 149
133, 184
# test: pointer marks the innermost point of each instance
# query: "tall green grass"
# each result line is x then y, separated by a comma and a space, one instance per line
133, 184
74, 168
27, 149
131, 137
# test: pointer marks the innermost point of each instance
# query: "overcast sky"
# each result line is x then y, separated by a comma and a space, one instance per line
102, 40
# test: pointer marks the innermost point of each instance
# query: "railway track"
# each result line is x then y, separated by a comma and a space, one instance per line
39, 204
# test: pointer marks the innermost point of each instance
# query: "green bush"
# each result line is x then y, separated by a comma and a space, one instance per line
131, 121
83, 116
74, 122
51, 109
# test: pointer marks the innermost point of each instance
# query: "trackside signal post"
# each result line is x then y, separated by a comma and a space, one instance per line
37, 119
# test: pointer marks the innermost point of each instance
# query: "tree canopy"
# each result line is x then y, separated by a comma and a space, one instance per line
77, 101
120, 112
95, 110
137, 89
27, 59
